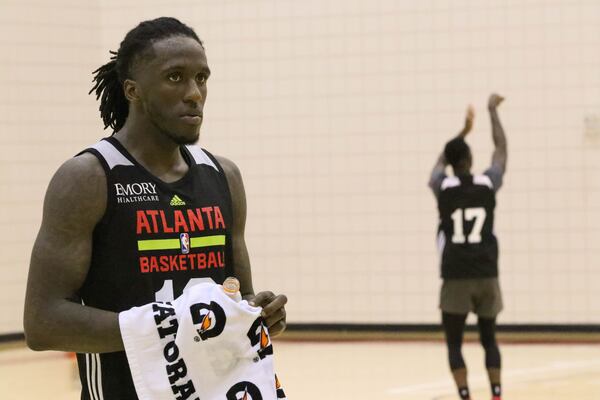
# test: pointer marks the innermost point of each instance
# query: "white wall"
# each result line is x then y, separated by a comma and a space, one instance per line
47, 50
335, 112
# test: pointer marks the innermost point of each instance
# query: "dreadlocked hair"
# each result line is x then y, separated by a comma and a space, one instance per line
108, 79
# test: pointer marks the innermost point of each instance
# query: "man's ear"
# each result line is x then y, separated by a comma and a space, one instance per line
131, 90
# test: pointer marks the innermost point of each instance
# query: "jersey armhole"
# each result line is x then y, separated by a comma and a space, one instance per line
222, 171
229, 247
435, 183
214, 160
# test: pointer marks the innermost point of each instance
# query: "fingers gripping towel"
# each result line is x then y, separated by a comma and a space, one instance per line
202, 346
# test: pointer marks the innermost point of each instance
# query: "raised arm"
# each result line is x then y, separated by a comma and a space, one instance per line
54, 318
500, 151
273, 305
438, 172
439, 168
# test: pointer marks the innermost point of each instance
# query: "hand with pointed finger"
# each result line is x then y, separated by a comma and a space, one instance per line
273, 310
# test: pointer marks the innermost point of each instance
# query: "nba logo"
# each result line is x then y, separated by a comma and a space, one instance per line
184, 239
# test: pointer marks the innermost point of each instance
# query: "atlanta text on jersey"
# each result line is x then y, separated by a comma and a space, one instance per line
191, 220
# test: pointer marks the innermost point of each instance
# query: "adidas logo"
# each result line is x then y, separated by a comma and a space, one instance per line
176, 201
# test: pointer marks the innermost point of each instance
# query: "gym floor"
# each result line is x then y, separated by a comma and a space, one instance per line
403, 370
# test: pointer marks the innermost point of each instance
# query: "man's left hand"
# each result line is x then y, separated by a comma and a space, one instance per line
273, 310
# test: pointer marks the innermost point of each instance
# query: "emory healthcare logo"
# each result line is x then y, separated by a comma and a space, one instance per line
209, 320
135, 192
259, 335
244, 391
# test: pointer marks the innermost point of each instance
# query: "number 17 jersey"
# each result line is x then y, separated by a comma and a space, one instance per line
466, 241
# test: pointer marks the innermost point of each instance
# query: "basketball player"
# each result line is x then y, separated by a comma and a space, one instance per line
139, 216
469, 250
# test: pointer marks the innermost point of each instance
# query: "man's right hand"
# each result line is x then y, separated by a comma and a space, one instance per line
494, 101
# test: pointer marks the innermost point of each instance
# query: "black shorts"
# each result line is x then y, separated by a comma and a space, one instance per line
481, 296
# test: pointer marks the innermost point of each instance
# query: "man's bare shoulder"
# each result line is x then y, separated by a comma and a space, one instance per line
77, 188
236, 188
85, 165
80, 175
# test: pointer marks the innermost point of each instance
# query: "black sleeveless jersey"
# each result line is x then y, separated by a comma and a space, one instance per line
466, 239
155, 239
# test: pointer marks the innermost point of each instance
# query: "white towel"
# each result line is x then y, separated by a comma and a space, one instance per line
202, 346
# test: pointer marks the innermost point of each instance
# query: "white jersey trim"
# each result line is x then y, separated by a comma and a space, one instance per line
450, 182
93, 371
441, 244
88, 376
483, 180
99, 377
200, 156
112, 156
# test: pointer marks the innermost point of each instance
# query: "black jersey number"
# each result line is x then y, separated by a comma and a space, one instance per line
166, 293
468, 214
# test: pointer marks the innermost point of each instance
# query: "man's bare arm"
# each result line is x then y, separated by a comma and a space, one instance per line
438, 170
75, 202
273, 305
469, 118
500, 154
241, 259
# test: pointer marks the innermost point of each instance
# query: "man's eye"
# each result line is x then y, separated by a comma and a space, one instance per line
175, 77
201, 79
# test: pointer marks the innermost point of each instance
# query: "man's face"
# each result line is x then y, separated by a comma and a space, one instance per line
172, 87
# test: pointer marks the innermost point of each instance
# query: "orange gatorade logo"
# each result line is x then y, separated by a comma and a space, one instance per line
259, 338
279, 389
244, 391
209, 319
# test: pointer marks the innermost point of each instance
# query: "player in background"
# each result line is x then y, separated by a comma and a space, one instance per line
468, 247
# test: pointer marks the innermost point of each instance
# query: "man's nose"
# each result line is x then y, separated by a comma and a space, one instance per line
194, 92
